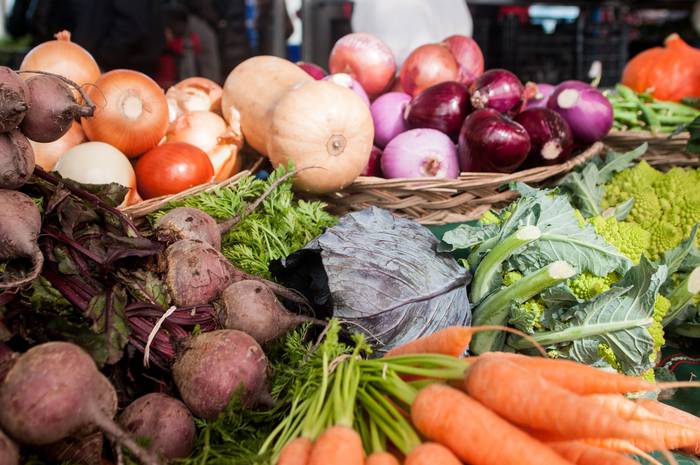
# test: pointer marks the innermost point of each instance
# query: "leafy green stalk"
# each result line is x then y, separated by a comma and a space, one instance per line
683, 295
490, 266
494, 310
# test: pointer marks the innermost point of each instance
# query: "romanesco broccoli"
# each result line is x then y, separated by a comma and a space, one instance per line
511, 276
527, 317
667, 205
489, 217
629, 238
606, 353
585, 286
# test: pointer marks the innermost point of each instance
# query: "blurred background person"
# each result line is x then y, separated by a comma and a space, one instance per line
208, 60
118, 33
404, 25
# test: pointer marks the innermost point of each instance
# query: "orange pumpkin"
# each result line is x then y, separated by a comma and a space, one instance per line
669, 73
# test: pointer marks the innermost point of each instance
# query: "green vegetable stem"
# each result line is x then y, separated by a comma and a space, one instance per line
683, 295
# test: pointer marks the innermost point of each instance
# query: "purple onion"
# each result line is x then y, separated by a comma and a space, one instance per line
374, 167
551, 140
542, 93
313, 70
498, 89
442, 106
387, 114
490, 141
587, 111
420, 153
346, 80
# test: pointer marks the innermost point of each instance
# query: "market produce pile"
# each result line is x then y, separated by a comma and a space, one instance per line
246, 324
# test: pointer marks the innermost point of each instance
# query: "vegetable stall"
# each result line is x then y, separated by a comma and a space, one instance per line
432, 264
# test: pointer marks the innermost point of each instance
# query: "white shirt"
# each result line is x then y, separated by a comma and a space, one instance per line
405, 25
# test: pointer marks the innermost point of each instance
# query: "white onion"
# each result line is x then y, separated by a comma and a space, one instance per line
98, 163
193, 94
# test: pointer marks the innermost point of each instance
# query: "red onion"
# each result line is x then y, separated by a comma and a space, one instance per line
366, 58
313, 70
490, 141
387, 114
420, 153
539, 100
374, 167
468, 55
345, 80
442, 106
498, 89
586, 109
426, 66
550, 136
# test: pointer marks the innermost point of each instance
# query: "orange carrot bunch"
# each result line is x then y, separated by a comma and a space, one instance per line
498, 408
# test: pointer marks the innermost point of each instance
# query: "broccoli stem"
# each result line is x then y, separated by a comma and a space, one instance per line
683, 295
490, 265
494, 310
578, 332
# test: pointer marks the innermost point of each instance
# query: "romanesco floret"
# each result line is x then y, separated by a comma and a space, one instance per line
606, 353
586, 285
664, 236
580, 218
629, 238
661, 306
511, 276
489, 217
646, 209
629, 183
527, 317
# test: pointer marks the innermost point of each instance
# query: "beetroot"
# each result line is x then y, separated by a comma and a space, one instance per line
82, 450
164, 421
188, 223
9, 452
14, 99
217, 365
16, 160
251, 307
53, 109
54, 391
20, 224
196, 273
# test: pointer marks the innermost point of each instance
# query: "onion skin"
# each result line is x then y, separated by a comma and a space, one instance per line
131, 113
61, 56
345, 80
489, 141
387, 114
551, 140
587, 111
47, 154
366, 58
542, 93
442, 106
193, 94
426, 66
199, 128
98, 163
468, 56
374, 166
498, 89
313, 70
172, 168
420, 153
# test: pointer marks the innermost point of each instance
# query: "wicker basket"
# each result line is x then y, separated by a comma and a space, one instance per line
440, 201
624, 141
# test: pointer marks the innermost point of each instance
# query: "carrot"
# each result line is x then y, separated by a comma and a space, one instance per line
679, 417
474, 433
382, 458
584, 454
577, 377
624, 447
624, 407
453, 340
337, 445
296, 452
528, 399
431, 453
